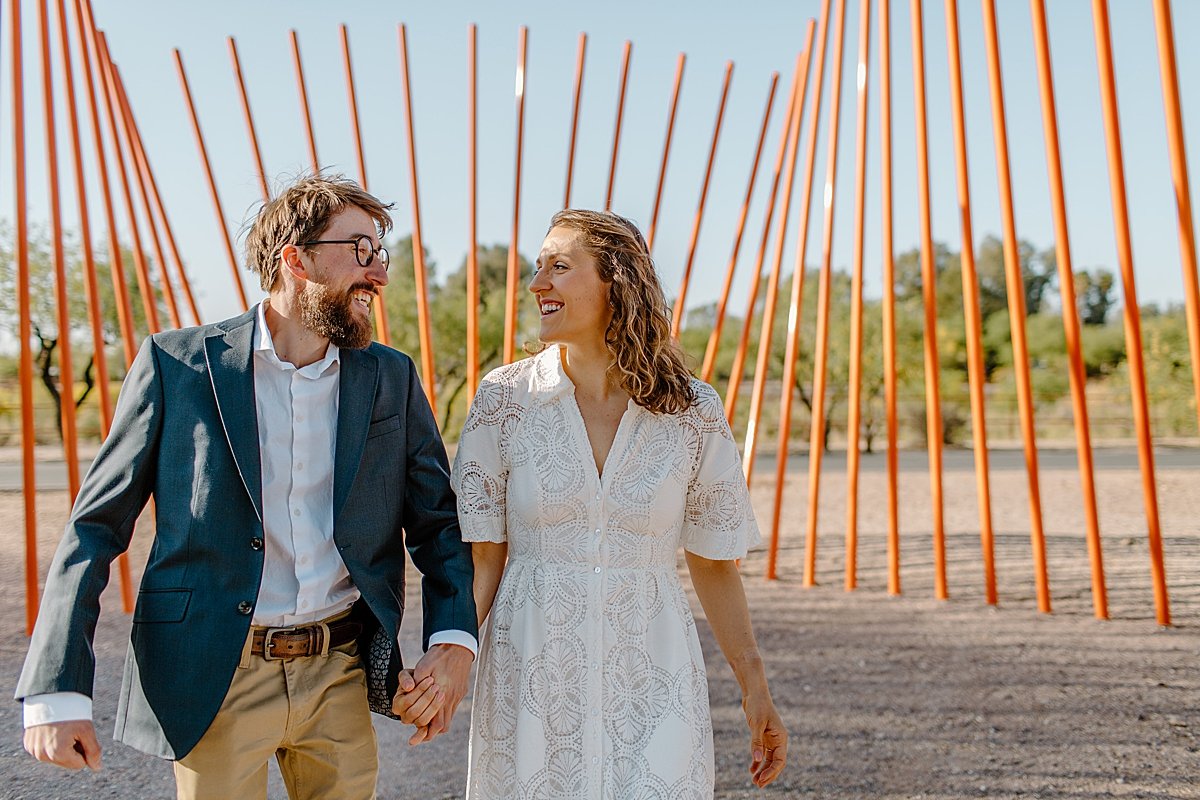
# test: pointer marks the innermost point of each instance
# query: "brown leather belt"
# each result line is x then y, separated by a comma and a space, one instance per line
274, 644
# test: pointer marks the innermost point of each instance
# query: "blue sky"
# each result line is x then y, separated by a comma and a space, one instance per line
759, 37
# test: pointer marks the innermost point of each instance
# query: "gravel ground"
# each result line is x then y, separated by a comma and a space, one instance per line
885, 697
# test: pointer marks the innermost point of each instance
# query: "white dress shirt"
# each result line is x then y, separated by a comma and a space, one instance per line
304, 578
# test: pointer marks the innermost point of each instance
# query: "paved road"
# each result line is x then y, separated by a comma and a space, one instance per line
51, 474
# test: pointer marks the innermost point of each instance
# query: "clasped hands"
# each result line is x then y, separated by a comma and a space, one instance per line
430, 692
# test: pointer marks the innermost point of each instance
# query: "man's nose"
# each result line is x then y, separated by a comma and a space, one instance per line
377, 273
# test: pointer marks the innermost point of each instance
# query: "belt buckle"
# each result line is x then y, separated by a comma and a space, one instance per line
267, 654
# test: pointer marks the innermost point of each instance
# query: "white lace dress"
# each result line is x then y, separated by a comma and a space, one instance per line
590, 680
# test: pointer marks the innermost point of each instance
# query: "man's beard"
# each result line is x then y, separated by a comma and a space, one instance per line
330, 315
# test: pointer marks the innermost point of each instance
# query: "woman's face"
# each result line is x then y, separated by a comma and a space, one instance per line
572, 299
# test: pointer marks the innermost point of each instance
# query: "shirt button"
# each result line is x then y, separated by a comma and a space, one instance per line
299, 418
296, 513
304, 559
304, 604
597, 570
299, 465
256, 543
245, 607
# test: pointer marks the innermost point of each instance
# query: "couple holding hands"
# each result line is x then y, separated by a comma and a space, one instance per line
293, 463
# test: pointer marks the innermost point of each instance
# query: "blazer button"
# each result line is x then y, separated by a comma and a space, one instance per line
256, 543
245, 607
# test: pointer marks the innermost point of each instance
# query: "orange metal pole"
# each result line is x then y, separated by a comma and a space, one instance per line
816, 445
124, 115
142, 271
513, 275
66, 371
889, 295
24, 326
792, 345
1133, 322
739, 356
380, 309
856, 297
1066, 278
976, 376
1016, 308
772, 298
424, 327
662, 170
115, 261
681, 300
212, 183
1179, 177
579, 57
612, 167
305, 113
472, 215
143, 162
714, 339
241, 83
933, 405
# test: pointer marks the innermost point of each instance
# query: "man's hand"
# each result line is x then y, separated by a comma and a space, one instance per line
417, 703
450, 667
70, 744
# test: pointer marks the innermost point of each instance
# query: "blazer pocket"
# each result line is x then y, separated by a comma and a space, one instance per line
162, 605
384, 426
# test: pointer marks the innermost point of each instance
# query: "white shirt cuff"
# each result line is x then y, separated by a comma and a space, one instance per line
460, 638
56, 707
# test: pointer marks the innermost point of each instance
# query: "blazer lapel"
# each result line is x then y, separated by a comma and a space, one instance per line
230, 354
356, 399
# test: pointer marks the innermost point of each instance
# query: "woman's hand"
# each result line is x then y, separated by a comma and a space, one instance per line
768, 738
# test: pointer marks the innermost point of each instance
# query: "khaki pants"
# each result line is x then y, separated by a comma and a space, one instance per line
310, 713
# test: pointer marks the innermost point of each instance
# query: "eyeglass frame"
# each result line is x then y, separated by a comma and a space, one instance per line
384, 259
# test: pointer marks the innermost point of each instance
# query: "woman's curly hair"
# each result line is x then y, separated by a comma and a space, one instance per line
647, 363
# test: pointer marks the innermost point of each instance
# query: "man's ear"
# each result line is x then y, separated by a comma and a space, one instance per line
290, 260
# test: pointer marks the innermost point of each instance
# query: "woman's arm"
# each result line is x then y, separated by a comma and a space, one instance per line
719, 587
489, 558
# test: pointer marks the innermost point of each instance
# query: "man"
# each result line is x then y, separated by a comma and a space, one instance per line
285, 454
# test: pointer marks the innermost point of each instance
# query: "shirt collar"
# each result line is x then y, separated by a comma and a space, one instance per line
265, 346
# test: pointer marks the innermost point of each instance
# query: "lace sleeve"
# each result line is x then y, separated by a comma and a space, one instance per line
718, 518
481, 465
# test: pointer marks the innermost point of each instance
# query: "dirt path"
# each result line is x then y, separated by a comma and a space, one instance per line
885, 697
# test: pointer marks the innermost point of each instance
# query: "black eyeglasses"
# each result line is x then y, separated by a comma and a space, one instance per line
364, 251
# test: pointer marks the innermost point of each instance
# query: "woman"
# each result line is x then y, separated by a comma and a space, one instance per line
585, 467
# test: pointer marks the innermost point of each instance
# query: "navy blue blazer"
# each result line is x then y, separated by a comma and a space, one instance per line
186, 434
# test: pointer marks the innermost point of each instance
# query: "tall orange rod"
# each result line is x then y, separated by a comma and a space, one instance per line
856, 297
1070, 314
1016, 308
305, 112
816, 439
579, 58
352, 97
424, 326
24, 326
792, 344
245, 98
379, 307
212, 183
66, 371
714, 339
612, 166
116, 263
1179, 176
933, 403
889, 295
762, 365
112, 110
472, 215
785, 133
681, 299
662, 170
976, 376
1133, 322
143, 162
91, 287
143, 193
513, 276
